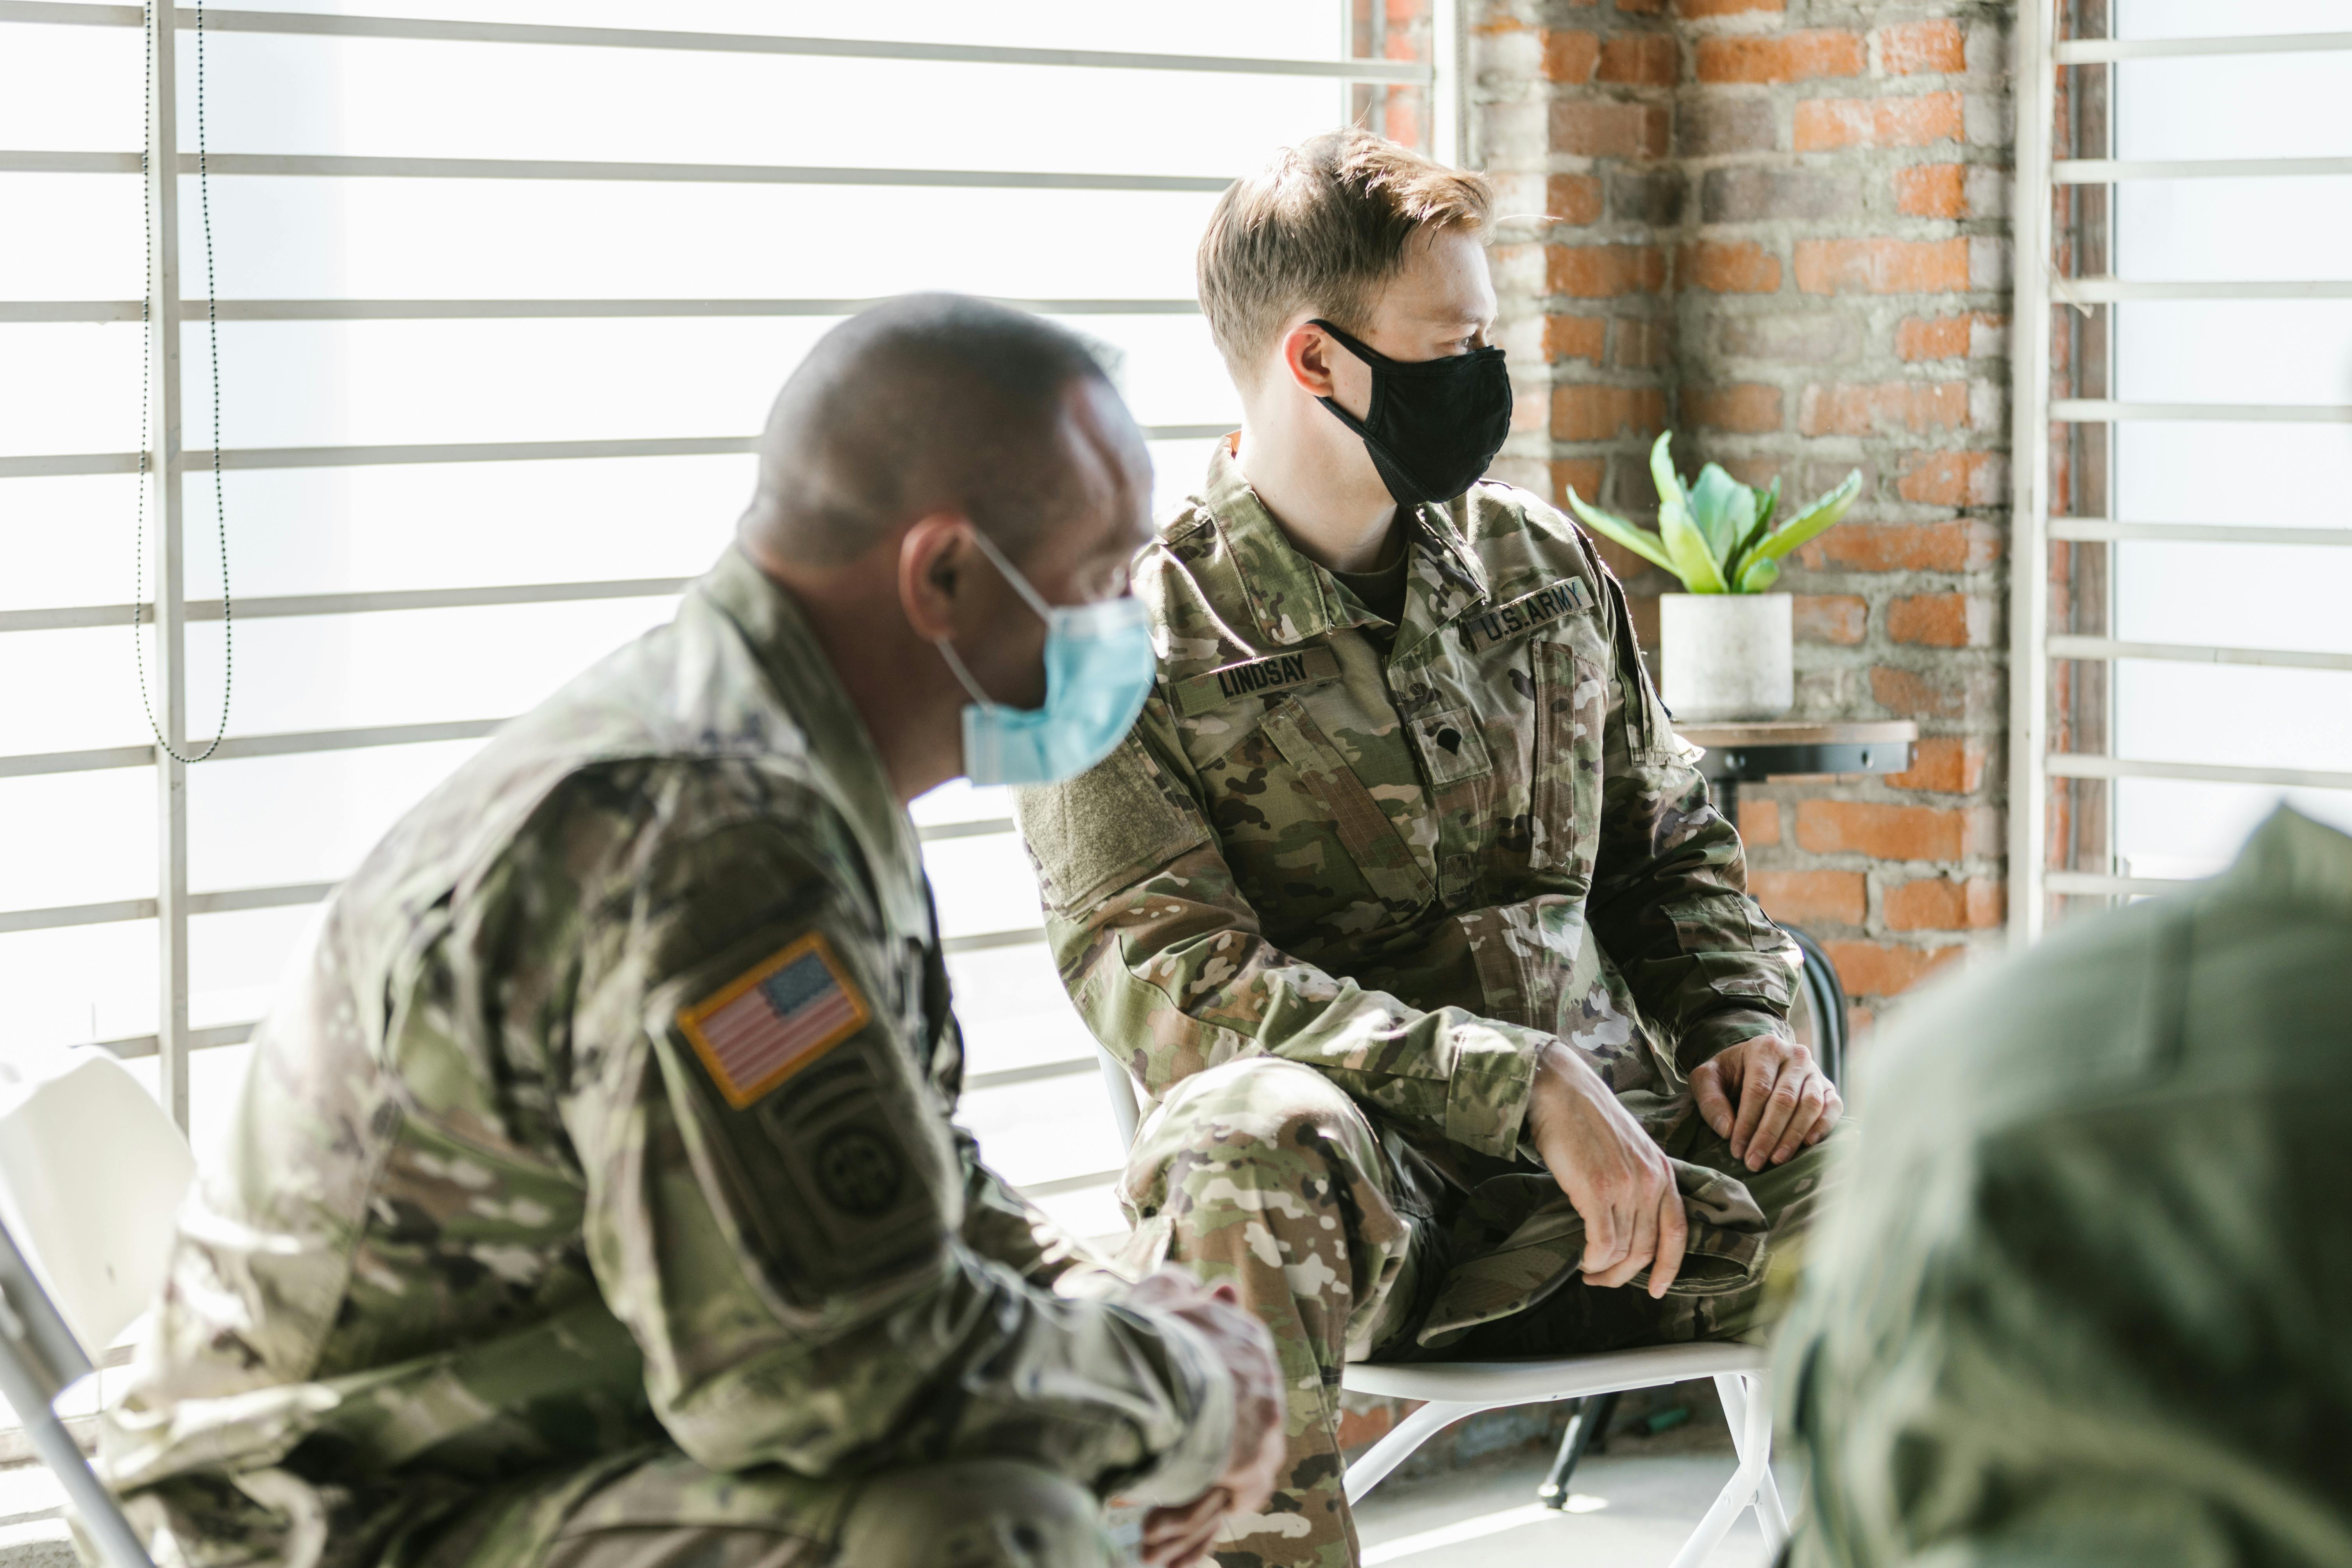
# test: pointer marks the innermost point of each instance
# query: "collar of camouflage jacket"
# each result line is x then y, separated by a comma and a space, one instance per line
1292, 600
2293, 859
846, 765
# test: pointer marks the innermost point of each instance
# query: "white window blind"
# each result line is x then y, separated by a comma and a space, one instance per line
500, 305
2225, 428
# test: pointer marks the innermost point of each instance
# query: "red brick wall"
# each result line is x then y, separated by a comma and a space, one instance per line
1778, 228
1394, 30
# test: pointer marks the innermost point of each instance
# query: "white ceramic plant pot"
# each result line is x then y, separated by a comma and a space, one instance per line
1727, 655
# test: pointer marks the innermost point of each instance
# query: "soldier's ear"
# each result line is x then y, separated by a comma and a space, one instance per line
935, 562
1307, 351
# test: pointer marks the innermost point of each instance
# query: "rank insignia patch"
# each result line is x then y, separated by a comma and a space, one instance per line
764, 1026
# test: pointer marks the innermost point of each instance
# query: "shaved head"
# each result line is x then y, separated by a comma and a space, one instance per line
928, 403
914, 434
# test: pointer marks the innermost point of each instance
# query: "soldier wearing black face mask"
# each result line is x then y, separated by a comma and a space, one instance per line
1432, 425
1402, 899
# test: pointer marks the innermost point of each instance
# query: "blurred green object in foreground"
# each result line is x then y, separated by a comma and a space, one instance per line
2077, 1294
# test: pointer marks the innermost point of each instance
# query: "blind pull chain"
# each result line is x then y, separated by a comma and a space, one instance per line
146, 379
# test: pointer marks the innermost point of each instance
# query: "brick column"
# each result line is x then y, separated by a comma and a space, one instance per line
1775, 227
1392, 30
1574, 117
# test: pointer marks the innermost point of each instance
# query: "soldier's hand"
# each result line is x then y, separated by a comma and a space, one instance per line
1611, 1169
1179, 1537
1767, 1097
1174, 1536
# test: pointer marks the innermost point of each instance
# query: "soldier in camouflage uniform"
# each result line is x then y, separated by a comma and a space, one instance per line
593, 1199
1394, 878
2080, 1296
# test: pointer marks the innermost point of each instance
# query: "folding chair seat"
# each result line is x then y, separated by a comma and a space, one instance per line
91, 1175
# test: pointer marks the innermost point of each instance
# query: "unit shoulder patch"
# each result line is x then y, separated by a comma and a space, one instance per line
1524, 614
1253, 678
859, 1172
774, 1019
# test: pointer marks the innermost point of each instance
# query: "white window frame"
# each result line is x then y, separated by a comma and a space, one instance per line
2034, 646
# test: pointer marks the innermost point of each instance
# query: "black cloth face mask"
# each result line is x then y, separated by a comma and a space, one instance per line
1432, 425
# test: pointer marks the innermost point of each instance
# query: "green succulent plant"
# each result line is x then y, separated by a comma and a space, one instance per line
1718, 535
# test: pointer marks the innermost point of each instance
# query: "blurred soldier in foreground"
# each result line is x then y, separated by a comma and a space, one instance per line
1403, 900
593, 1200
2081, 1295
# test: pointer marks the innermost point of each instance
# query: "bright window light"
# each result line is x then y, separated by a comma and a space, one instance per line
2279, 476
406, 368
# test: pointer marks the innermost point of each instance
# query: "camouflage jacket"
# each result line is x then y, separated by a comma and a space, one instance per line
1406, 869
613, 1102
2080, 1295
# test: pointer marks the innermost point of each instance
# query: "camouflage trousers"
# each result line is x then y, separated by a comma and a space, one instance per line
663, 1510
1263, 1172
656, 1508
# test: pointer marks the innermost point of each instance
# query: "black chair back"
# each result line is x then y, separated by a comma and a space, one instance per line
1823, 999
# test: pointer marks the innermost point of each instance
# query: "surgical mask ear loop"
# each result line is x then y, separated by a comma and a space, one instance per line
1029, 596
948, 652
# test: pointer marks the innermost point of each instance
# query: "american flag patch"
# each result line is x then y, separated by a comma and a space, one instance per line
766, 1026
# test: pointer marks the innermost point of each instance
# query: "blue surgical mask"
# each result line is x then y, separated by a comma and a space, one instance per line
1099, 670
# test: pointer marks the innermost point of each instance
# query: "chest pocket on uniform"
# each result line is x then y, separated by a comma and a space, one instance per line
1572, 707
1306, 840
1373, 843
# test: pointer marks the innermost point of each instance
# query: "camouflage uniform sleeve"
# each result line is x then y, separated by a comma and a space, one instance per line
1670, 901
1165, 960
1003, 1227
780, 1212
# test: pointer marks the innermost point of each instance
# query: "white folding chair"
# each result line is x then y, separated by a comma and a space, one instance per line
91, 1175
1453, 1390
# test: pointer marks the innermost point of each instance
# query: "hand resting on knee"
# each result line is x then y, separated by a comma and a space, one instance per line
1611, 1169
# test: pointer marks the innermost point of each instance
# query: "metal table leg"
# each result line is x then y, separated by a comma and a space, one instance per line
1591, 1419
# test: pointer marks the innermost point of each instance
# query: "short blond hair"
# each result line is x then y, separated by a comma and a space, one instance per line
1322, 227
